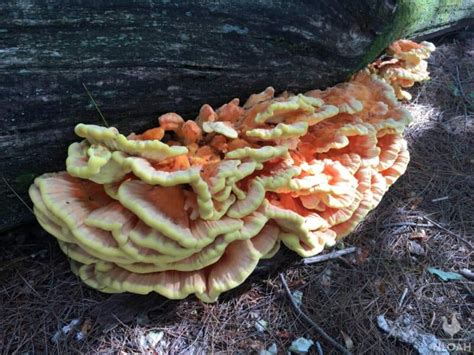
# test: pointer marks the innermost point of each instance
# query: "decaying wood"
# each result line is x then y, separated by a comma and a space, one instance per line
139, 59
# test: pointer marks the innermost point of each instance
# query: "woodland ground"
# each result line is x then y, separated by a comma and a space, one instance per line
425, 220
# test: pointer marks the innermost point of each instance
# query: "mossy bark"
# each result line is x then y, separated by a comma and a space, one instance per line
421, 18
142, 58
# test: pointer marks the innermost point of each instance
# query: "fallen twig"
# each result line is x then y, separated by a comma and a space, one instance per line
404, 294
440, 199
303, 315
468, 274
404, 224
448, 231
319, 349
332, 255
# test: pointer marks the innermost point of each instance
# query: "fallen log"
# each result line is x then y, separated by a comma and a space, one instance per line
140, 59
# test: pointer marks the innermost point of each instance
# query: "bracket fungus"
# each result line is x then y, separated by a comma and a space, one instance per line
406, 66
190, 207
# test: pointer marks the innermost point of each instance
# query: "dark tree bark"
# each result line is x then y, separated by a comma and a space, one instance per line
143, 58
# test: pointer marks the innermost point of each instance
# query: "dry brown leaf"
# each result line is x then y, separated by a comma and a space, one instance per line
297, 283
255, 345
86, 326
419, 235
415, 202
284, 334
380, 286
362, 256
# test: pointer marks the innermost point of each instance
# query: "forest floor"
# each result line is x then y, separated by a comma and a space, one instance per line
424, 221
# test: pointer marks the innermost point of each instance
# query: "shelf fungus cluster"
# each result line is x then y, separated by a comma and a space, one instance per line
190, 207
406, 66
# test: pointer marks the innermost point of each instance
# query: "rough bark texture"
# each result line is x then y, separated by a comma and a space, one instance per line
143, 58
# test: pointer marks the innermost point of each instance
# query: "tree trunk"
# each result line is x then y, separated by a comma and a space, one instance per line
139, 59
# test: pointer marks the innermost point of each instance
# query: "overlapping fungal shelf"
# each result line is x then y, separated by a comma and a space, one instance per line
190, 207
406, 66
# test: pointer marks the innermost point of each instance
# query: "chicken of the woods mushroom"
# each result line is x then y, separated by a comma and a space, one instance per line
190, 207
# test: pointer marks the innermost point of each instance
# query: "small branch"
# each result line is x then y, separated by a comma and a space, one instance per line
404, 294
319, 349
468, 274
332, 255
405, 224
303, 315
448, 231
440, 199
